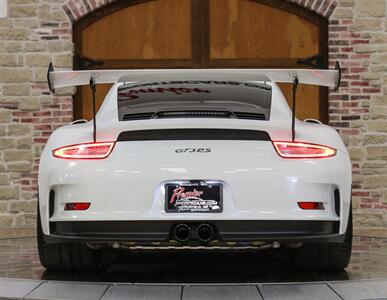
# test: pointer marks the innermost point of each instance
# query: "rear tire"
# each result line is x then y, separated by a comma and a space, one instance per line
324, 256
64, 256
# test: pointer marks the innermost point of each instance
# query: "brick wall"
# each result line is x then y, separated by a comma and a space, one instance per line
39, 31
358, 40
35, 33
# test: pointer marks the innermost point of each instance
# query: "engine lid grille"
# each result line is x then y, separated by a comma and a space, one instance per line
194, 114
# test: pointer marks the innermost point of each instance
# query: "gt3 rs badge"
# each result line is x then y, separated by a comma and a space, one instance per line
193, 150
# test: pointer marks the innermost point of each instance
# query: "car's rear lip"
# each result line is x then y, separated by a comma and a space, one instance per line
227, 230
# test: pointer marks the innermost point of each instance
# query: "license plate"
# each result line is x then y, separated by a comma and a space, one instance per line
193, 197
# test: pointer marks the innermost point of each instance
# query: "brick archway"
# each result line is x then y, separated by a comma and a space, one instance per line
76, 9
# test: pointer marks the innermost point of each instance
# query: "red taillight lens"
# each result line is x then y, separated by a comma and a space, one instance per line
85, 151
77, 206
302, 150
311, 205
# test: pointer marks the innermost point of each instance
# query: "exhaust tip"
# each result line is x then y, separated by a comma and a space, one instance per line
182, 233
205, 232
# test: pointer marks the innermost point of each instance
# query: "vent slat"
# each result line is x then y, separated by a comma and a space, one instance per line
250, 116
194, 114
138, 116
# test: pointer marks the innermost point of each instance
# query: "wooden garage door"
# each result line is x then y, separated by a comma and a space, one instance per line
203, 34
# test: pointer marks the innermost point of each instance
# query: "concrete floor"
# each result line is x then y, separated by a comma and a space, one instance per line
29, 289
193, 276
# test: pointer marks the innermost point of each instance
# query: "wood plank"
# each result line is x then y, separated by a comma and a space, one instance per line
145, 64
254, 63
142, 31
246, 29
200, 38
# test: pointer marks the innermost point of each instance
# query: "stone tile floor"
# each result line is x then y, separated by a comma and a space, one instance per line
34, 289
193, 276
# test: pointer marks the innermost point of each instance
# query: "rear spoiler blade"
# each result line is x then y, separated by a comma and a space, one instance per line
60, 79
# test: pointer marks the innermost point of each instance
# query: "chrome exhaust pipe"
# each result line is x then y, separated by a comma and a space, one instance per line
182, 233
205, 232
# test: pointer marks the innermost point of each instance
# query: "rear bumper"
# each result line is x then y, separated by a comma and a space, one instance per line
159, 231
257, 184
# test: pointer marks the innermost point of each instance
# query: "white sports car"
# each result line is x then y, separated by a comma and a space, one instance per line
194, 159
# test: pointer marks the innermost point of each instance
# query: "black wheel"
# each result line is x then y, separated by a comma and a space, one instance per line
324, 256
64, 256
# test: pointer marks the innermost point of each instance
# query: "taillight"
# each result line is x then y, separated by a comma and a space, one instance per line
302, 150
95, 150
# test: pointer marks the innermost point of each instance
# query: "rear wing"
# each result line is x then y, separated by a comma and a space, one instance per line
60, 79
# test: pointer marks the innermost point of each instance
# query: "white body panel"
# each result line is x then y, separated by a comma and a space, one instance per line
258, 183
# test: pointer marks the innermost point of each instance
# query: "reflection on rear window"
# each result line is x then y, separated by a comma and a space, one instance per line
172, 99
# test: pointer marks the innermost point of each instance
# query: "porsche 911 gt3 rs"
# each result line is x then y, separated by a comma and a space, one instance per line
194, 159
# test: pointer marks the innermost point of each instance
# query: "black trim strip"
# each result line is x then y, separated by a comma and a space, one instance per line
51, 203
231, 230
193, 134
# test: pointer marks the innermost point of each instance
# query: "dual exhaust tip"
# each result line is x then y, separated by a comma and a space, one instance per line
184, 233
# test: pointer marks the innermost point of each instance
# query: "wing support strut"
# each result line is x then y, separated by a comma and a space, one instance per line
294, 94
93, 91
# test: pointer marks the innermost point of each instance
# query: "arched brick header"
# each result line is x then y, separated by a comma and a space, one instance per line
76, 9
324, 8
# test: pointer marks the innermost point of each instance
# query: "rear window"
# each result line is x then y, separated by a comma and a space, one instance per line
194, 99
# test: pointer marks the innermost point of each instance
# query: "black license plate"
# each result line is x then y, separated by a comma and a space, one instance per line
195, 197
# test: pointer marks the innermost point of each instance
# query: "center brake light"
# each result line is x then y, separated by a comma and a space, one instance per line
302, 150
93, 150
